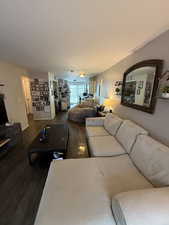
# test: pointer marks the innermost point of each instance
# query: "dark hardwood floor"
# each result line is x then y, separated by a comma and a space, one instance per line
21, 185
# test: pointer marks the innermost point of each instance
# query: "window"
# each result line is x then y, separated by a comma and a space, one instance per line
76, 91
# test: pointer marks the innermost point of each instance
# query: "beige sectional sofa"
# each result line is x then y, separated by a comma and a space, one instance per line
122, 189
111, 136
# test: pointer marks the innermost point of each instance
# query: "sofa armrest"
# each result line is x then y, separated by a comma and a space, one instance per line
142, 207
95, 121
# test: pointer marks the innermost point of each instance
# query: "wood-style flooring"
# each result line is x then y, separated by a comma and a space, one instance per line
21, 185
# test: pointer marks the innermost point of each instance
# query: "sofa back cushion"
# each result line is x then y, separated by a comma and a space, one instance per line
142, 207
88, 103
152, 159
112, 123
107, 119
128, 133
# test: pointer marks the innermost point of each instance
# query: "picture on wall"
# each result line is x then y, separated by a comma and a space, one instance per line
117, 87
40, 95
118, 83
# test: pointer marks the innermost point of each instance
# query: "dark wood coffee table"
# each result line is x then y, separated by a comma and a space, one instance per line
55, 143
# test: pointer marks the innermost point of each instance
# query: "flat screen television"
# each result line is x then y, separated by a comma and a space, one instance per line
3, 114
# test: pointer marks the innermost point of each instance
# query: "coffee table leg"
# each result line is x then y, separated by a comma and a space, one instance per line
57, 155
30, 159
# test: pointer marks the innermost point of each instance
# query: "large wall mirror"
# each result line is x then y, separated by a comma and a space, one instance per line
140, 85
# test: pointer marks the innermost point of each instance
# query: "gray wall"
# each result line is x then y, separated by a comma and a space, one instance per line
158, 123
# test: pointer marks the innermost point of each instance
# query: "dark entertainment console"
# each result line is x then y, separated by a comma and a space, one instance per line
10, 136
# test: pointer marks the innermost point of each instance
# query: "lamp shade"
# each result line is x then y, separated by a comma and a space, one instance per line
109, 102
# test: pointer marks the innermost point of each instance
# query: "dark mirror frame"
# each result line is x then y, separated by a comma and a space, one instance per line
158, 64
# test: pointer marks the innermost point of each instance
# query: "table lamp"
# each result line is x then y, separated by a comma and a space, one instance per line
109, 102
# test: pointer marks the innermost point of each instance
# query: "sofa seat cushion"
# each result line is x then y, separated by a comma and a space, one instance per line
152, 159
120, 175
96, 131
105, 146
128, 133
74, 195
112, 124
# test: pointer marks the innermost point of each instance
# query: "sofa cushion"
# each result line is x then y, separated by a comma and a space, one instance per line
95, 121
74, 195
128, 133
79, 191
96, 131
107, 118
152, 159
105, 146
112, 124
120, 174
118, 212
142, 207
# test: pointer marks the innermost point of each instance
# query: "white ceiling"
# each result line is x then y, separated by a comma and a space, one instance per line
84, 35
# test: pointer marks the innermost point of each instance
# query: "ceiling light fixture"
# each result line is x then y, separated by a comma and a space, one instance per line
82, 74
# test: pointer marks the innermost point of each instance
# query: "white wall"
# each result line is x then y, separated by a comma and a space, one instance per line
38, 75
51, 93
158, 123
10, 76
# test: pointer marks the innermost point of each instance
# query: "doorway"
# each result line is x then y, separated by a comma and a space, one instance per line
27, 94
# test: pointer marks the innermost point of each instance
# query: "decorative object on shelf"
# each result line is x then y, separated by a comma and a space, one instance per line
43, 136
